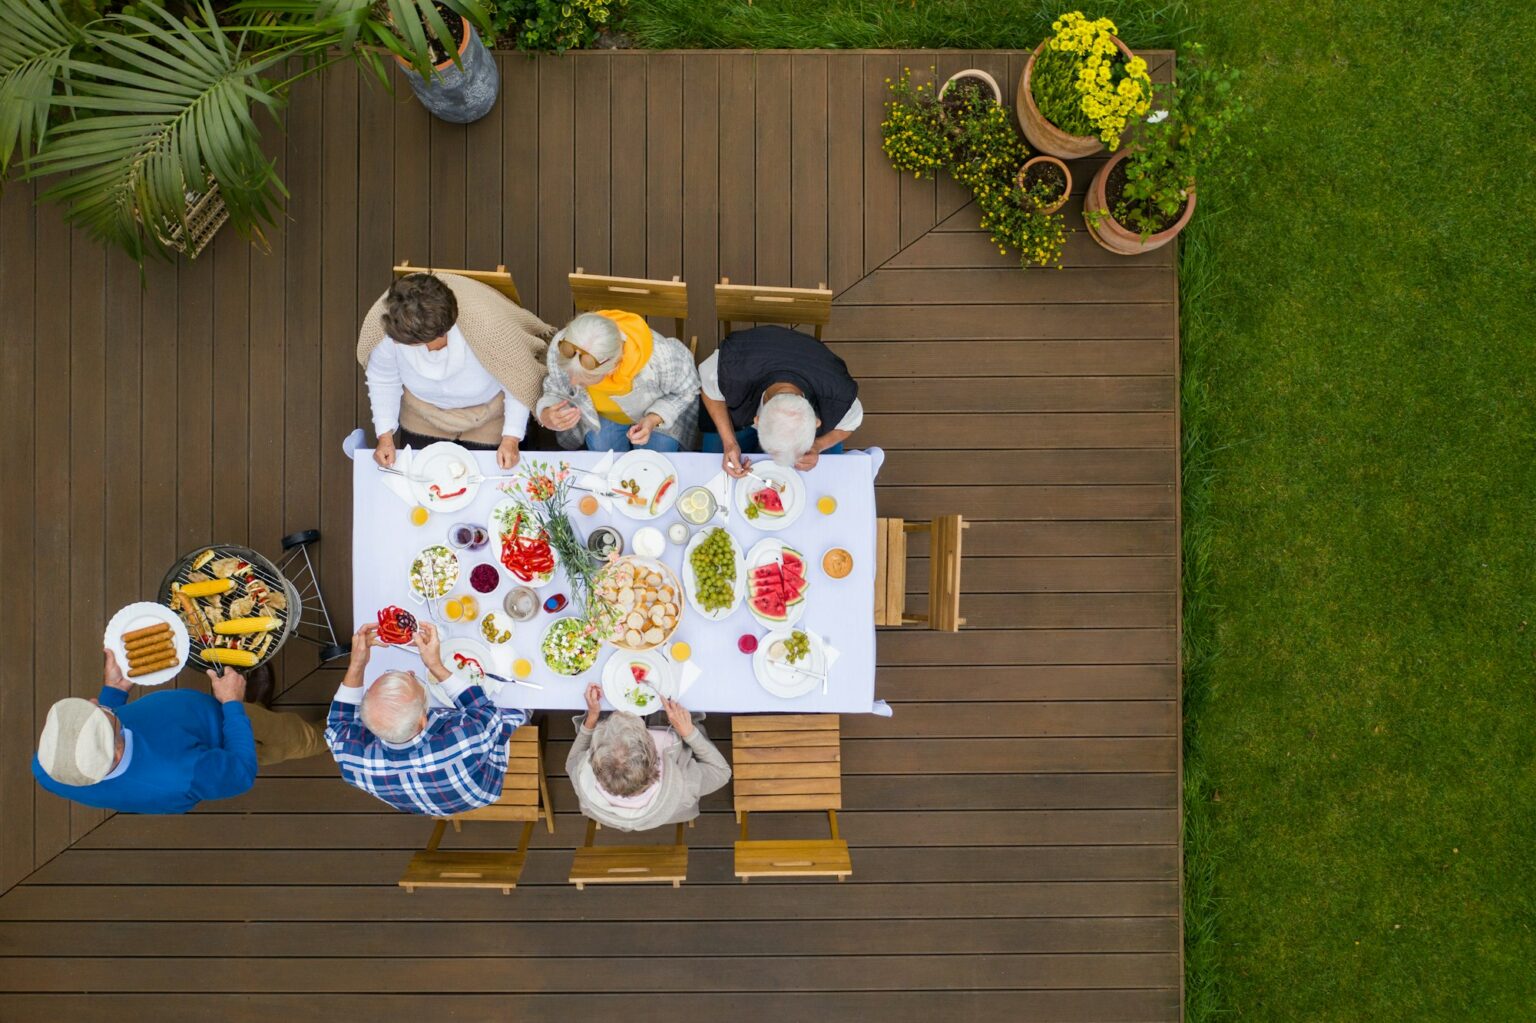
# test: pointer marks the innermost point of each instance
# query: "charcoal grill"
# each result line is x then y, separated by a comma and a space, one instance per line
293, 575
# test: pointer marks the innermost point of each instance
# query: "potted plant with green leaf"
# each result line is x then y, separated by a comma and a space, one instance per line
1047, 179
1143, 197
914, 134
463, 83
147, 122
1080, 88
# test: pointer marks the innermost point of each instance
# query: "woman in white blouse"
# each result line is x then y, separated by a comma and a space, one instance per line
449, 358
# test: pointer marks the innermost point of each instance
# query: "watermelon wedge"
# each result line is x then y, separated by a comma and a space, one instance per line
769, 605
641, 672
769, 502
661, 491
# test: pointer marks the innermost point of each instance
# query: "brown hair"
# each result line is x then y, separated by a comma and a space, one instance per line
419, 308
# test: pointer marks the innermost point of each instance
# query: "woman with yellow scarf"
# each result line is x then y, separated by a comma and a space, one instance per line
615, 384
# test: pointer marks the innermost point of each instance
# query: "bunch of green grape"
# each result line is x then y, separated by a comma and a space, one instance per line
796, 647
714, 570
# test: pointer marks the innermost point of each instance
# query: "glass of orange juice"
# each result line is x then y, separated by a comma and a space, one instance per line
469, 607
522, 668
453, 610
826, 505
681, 651
419, 516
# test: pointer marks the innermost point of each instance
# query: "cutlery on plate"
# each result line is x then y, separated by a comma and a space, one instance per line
774, 484
512, 681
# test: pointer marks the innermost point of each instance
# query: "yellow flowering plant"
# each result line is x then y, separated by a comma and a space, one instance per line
1017, 217
1083, 83
914, 134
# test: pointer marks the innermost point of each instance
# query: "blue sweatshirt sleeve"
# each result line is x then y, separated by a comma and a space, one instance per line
231, 770
111, 697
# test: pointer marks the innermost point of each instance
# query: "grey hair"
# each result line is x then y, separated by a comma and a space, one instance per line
624, 758
786, 428
394, 706
596, 335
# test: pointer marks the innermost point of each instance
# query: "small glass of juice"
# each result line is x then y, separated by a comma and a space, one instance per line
419, 516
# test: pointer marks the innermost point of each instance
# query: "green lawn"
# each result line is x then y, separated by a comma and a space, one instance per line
1360, 490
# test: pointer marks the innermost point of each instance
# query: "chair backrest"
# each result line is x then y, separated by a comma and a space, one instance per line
521, 790
750, 303
786, 762
944, 573
499, 278
890, 572
633, 295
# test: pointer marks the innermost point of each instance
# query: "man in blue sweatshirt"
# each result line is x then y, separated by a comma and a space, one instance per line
168, 750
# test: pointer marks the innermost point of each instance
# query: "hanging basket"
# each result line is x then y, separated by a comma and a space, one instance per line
206, 213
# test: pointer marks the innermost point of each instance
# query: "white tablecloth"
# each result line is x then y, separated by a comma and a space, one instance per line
840, 610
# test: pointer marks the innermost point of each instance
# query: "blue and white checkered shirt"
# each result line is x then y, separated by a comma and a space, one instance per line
456, 764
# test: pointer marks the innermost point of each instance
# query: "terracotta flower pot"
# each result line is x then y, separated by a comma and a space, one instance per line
1066, 177
1109, 232
1042, 134
982, 76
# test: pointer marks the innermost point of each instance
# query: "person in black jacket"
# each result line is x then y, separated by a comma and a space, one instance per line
781, 392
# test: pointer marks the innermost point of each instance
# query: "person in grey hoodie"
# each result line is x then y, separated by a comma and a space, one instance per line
633, 778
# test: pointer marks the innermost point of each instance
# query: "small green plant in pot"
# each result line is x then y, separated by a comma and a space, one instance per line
982, 142
1141, 199
914, 134
1023, 219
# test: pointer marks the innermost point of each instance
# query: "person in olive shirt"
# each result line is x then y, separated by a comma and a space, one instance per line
168, 750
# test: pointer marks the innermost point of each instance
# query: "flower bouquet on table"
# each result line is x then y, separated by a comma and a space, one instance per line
542, 490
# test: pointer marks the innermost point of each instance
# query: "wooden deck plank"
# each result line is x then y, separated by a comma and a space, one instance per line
1023, 803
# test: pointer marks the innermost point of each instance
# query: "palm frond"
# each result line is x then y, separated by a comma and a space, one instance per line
36, 41
168, 107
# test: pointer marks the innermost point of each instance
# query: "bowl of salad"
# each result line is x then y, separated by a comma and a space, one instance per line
571, 646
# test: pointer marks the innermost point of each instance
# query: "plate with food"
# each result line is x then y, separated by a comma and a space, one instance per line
570, 646
149, 641
790, 662
713, 573
637, 680
647, 601
444, 477
525, 549
643, 484
471, 659
434, 572
775, 583
766, 506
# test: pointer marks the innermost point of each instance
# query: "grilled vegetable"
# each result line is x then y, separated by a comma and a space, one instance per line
209, 588
223, 655
243, 626
202, 559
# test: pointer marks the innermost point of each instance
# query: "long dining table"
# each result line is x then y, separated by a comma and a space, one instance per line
386, 541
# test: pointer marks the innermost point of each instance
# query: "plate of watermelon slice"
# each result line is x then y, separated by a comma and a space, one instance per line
776, 583
633, 679
769, 508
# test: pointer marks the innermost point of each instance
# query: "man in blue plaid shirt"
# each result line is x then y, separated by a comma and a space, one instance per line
390, 743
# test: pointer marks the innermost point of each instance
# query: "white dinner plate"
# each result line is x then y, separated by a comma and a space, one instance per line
473, 649
783, 681
690, 587
447, 466
652, 472
767, 552
619, 687
793, 496
141, 616
502, 517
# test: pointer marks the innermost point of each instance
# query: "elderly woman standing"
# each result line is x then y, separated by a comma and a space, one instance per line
635, 778
615, 384
450, 358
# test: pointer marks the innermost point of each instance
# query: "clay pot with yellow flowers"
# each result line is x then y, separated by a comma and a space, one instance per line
1080, 88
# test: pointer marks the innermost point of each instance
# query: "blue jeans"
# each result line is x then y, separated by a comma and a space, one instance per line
747, 439
611, 436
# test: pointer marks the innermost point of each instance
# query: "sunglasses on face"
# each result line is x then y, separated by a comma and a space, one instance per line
569, 351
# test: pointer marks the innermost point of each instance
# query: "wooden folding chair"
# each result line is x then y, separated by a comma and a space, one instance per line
590, 292
944, 534
788, 762
630, 864
499, 278
749, 303
524, 797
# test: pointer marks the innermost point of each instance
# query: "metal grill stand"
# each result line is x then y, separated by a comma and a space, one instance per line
314, 623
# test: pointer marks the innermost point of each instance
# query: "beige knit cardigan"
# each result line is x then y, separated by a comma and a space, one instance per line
508, 340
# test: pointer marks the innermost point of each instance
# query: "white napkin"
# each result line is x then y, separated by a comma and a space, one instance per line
691, 673
399, 485
597, 478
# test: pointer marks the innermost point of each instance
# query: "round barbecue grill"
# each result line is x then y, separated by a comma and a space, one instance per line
294, 577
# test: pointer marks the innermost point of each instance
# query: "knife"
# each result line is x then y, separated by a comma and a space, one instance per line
512, 681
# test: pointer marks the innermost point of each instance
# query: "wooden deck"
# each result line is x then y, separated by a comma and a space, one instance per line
1015, 826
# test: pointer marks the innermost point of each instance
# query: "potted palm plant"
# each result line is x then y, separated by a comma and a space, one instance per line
1144, 196
147, 122
1080, 88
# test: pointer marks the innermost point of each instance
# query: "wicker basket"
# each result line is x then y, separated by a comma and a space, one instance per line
206, 213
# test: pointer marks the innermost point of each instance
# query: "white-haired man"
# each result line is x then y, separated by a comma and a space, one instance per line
391, 744
778, 391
